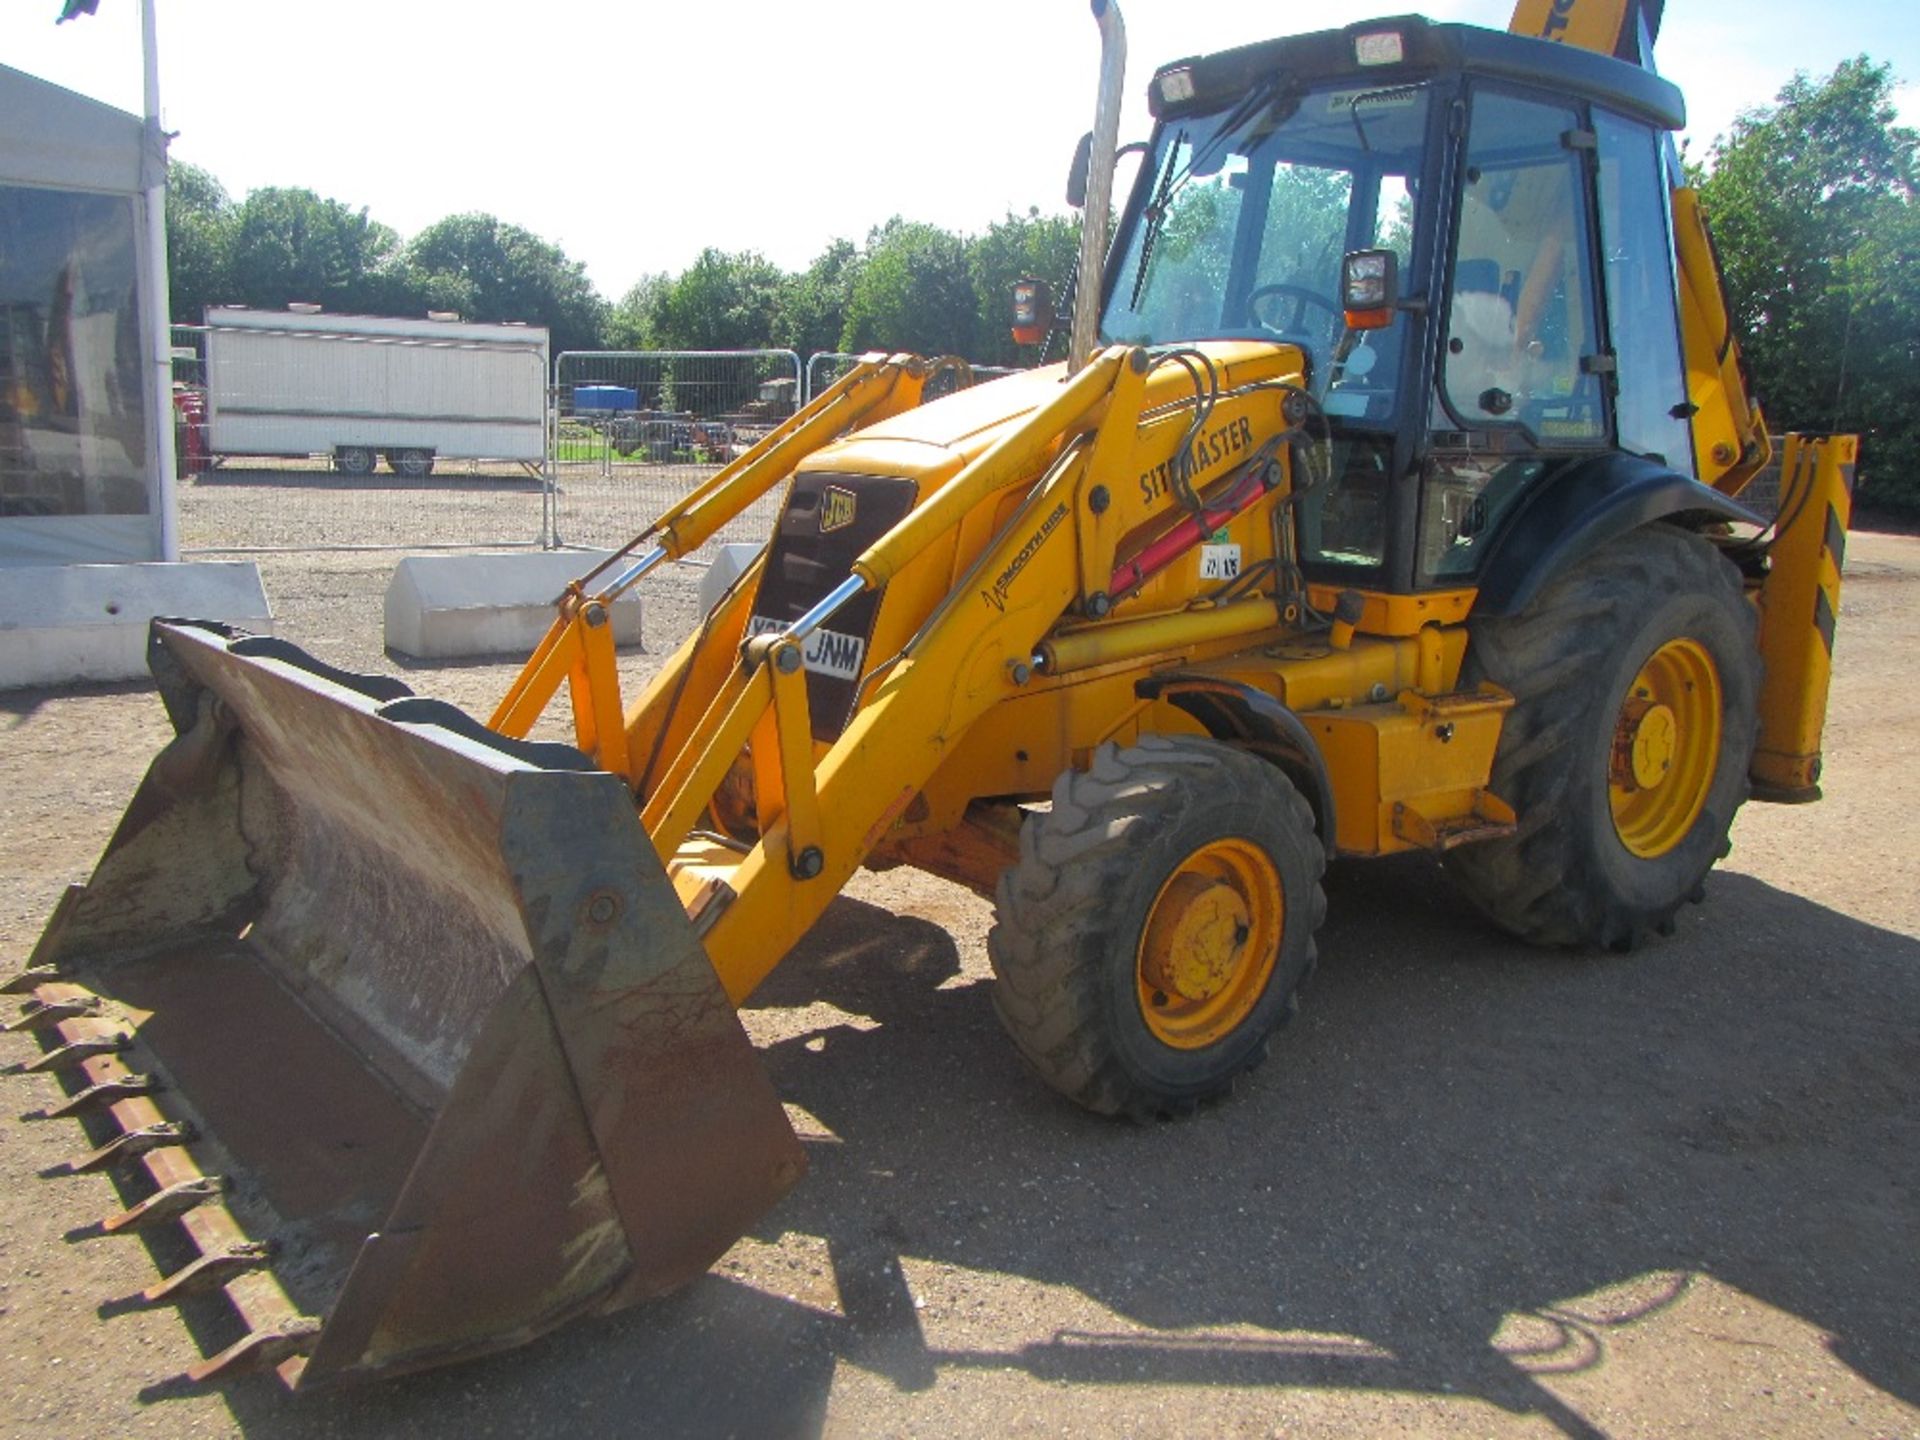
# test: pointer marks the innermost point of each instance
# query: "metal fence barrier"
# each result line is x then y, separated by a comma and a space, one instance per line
261, 470
622, 436
635, 431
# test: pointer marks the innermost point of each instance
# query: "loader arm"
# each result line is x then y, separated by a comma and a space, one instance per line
823, 807
578, 647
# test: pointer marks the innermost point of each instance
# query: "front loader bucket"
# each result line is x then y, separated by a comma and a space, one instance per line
443, 1062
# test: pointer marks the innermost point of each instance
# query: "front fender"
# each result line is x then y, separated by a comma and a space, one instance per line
1256, 722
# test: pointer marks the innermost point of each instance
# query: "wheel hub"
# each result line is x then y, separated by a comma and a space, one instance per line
1645, 744
1666, 748
1198, 931
1209, 943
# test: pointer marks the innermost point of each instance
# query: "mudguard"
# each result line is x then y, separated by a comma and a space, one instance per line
1573, 513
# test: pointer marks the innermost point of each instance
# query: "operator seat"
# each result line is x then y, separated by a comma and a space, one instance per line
1483, 361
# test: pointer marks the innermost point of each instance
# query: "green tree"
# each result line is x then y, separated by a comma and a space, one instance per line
913, 292
200, 218
489, 270
1812, 204
1043, 246
813, 307
634, 320
291, 245
721, 302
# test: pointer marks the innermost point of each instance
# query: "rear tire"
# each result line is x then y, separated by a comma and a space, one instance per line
1636, 682
1159, 921
411, 464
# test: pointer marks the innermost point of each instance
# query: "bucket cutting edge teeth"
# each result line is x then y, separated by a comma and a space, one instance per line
125, 1146
106, 1092
168, 1204
73, 1053
211, 1271
38, 1014
258, 1350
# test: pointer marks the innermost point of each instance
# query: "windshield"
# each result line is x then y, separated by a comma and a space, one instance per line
1248, 213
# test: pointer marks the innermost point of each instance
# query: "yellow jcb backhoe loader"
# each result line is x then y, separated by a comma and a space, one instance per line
1384, 503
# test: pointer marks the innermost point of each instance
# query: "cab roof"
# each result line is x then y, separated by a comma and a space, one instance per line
1426, 49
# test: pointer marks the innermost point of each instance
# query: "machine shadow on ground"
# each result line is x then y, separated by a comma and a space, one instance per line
1456, 1130
19, 706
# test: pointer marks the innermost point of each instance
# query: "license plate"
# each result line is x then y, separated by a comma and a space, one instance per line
827, 652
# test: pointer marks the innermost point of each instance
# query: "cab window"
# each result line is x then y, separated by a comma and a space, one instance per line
1650, 404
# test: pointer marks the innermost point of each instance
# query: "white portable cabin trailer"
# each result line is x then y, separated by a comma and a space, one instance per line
360, 388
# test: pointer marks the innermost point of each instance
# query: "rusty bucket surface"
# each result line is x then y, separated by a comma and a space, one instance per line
427, 1011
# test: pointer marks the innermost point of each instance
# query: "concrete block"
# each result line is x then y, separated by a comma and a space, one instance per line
728, 563
448, 607
60, 624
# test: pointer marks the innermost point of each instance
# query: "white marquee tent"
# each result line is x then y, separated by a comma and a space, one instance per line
79, 479
86, 429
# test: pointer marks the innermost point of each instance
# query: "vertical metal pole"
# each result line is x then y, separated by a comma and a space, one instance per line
153, 174
549, 539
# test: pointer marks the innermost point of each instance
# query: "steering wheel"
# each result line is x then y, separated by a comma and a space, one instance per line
1301, 297
1295, 327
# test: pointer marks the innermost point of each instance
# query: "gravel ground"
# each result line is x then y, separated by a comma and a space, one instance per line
302, 503
1478, 1190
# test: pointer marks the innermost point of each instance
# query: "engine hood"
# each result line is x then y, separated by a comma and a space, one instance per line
934, 441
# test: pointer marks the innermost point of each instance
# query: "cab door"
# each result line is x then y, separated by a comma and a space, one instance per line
1523, 371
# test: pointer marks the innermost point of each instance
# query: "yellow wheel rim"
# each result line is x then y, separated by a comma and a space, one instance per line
1210, 943
1666, 746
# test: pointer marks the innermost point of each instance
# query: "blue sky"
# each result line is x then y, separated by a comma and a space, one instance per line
634, 135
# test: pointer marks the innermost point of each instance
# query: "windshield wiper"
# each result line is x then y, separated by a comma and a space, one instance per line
1373, 97
1283, 90
1156, 216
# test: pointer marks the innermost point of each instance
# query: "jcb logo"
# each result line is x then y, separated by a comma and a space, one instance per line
836, 509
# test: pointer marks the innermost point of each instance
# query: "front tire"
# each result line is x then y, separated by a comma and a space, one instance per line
1159, 921
354, 460
1636, 680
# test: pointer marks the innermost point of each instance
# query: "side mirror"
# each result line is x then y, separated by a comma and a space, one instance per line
1082, 163
1369, 288
1077, 172
1032, 310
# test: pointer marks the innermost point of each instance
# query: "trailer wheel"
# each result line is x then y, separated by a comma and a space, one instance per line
1636, 678
1159, 921
354, 460
410, 464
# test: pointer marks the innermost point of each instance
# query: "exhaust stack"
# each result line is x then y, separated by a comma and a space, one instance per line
1093, 221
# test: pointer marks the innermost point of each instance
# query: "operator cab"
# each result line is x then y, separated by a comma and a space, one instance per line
1498, 171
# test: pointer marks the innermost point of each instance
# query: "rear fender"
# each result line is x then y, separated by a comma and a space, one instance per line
1575, 512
